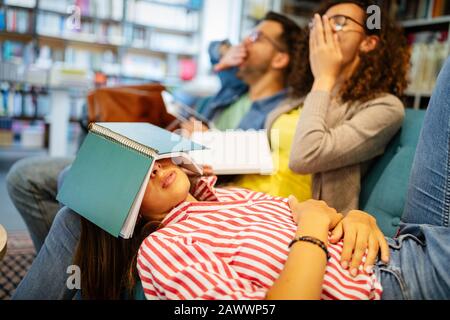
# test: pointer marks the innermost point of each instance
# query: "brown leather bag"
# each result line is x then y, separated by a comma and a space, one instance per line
140, 103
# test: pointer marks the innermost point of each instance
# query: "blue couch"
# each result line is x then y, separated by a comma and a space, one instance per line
384, 188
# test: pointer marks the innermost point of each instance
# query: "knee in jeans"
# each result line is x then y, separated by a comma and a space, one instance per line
17, 177
66, 219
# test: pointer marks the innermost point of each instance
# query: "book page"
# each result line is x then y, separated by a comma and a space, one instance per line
130, 222
234, 151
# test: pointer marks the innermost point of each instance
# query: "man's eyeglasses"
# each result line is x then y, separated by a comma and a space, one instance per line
338, 22
257, 35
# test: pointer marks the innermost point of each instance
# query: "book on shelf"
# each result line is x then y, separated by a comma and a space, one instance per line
107, 181
188, 69
2, 19
102, 9
422, 9
234, 151
143, 66
428, 53
21, 3
441, 8
156, 15
18, 20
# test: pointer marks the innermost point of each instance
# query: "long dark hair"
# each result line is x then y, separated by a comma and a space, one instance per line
382, 70
108, 264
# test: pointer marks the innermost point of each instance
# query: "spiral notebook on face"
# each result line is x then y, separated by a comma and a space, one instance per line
107, 181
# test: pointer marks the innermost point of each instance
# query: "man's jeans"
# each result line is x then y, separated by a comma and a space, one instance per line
49, 273
419, 267
32, 187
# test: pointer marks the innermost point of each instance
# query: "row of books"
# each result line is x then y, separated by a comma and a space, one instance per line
22, 100
429, 52
103, 9
141, 37
157, 15
50, 68
421, 9
16, 51
15, 20
21, 3
33, 134
54, 25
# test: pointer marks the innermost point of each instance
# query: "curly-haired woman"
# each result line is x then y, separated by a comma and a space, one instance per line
352, 110
351, 82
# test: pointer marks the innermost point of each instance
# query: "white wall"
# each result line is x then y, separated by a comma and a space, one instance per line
221, 20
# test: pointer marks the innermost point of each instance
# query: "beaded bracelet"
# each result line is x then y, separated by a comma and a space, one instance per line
312, 240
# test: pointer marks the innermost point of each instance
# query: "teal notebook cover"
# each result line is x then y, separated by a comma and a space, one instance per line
104, 181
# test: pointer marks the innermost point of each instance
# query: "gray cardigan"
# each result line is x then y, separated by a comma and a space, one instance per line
335, 142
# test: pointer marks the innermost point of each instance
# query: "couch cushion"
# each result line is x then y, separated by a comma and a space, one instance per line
383, 189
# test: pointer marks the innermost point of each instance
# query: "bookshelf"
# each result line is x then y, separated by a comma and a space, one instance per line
94, 43
427, 26
254, 10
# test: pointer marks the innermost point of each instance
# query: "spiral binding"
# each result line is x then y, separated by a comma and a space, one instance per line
124, 141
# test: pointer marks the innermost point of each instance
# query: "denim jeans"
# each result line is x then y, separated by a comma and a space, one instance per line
419, 266
32, 187
49, 273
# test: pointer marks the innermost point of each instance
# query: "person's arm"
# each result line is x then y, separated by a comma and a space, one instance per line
304, 270
225, 59
317, 147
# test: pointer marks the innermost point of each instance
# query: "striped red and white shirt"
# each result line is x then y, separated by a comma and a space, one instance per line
232, 245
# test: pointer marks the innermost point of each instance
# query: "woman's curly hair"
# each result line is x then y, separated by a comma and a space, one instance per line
382, 70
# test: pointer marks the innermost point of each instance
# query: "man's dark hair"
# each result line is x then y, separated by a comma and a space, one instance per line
289, 37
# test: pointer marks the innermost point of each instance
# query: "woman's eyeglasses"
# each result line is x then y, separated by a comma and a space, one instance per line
257, 35
338, 22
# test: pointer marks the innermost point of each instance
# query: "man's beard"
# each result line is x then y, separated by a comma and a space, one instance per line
250, 74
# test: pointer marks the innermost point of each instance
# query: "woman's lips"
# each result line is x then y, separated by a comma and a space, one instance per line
169, 179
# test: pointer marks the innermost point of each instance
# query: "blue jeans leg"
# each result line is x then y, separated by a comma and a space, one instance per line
32, 187
49, 273
419, 263
428, 198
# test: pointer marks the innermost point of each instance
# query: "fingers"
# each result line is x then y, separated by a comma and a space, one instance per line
349, 244
234, 57
384, 247
312, 38
371, 254
207, 170
327, 30
337, 233
220, 67
293, 202
360, 249
318, 26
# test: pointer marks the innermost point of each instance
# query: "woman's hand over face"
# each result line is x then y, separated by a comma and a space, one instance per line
324, 53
